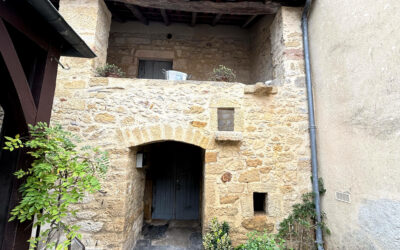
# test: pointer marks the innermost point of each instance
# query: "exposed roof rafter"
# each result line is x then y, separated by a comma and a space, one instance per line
194, 16
233, 8
216, 19
165, 16
136, 12
249, 21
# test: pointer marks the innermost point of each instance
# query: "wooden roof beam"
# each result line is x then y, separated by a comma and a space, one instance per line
136, 12
165, 17
216, 19
233, 8
194, 17
249, 21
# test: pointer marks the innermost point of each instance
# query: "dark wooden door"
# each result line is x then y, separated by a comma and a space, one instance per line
150, 69
177, 184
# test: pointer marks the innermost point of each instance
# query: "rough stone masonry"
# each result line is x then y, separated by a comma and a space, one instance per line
268, 151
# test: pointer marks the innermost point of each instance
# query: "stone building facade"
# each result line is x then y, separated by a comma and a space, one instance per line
267, 152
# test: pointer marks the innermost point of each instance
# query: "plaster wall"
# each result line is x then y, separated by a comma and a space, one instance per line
355, 68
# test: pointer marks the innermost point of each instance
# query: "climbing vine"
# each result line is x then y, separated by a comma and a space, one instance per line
298, 227
60, 175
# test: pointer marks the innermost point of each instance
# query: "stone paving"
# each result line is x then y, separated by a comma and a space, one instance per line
170, 235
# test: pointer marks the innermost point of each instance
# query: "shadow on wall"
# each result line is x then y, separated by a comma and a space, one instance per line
379, 222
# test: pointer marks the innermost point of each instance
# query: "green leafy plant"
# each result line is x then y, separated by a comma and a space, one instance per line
223, 74
298, 227
109, 70
60, 175
217, 237
262, 241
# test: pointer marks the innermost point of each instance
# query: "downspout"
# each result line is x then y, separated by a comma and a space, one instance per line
311, 119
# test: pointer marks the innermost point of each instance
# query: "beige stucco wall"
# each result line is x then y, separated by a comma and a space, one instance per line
271, 154
355, 56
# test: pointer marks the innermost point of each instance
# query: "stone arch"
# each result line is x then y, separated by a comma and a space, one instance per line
150, 134
134, 138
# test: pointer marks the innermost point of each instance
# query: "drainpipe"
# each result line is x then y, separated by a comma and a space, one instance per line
311, 119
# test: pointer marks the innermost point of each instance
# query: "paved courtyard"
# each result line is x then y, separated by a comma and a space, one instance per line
170, 235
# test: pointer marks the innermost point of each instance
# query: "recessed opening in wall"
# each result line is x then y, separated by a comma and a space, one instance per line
226, 119
153, 69
167, 193
173, 181
260, 202
239, 42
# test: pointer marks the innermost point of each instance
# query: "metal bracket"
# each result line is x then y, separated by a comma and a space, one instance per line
67, 67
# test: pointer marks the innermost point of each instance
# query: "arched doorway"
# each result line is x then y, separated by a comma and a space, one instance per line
172, 195
173, 181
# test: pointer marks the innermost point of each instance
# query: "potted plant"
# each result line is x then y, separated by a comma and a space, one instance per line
223, 74
109, 70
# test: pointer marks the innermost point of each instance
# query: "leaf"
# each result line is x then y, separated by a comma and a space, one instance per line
59, 172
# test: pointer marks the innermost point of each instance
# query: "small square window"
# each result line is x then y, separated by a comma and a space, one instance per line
260, 203
226, 120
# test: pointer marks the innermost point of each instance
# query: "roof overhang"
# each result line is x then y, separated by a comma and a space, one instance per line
73, 45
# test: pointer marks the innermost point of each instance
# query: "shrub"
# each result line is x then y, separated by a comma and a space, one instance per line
262, 241
218, 236
109, 70
223, 74
298, 227
60, 175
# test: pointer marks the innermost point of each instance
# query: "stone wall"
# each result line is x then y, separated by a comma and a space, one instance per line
260, 50
123, 113
91, 20
270, 153
194, 50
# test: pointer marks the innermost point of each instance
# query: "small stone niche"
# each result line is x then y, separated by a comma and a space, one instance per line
226, 119
260, 203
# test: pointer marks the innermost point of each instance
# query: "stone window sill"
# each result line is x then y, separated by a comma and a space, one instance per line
232, 136
261, 89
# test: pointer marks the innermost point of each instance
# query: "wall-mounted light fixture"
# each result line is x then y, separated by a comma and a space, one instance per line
140, 160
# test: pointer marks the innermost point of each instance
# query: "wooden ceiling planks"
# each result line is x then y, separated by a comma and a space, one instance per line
213, 12
233, 8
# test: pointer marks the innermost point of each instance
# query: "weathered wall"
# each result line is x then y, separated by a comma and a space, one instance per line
91, 19
272, 155
123, 113
355, 59
194, 50
261, 68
